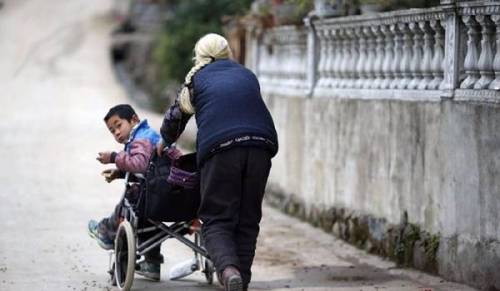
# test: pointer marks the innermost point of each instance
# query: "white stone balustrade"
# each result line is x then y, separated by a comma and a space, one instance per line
482, 58
495, 85
282, 65
441, 52
398, 50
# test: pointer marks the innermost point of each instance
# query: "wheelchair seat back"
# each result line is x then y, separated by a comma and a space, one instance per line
171, 192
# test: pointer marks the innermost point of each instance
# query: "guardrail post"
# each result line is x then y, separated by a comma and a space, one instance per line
452, 57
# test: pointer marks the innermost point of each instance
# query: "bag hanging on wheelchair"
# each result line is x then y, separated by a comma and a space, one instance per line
172, 192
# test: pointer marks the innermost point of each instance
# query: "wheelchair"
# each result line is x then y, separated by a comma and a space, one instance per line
167, 206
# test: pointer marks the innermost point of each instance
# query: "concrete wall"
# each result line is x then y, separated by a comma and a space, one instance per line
435, 165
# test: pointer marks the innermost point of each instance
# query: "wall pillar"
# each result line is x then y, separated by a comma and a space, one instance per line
312, 55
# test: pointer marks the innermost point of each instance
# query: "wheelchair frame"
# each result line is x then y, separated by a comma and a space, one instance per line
128, 250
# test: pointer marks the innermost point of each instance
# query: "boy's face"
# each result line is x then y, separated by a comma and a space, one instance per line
120, 128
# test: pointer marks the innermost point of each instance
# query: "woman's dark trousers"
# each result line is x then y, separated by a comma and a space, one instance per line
232, 188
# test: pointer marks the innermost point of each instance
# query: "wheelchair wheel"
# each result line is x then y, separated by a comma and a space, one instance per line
111, 272
124, 256
209, 270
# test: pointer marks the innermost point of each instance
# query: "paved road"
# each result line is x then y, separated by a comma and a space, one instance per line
56, 87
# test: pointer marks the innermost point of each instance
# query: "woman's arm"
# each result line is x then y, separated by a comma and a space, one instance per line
174, 123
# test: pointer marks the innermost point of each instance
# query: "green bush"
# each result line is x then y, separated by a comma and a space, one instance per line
189, 21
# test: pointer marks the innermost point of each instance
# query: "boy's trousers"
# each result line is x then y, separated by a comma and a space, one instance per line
110, 226
232, 188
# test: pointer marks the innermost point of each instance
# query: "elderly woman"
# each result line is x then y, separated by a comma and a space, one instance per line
235, 143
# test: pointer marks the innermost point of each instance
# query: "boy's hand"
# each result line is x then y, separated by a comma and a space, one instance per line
104, 157
110, 174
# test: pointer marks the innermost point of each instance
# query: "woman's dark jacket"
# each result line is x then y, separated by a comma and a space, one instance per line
229, 111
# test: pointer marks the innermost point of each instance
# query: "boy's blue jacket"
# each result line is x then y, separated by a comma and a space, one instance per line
143, 131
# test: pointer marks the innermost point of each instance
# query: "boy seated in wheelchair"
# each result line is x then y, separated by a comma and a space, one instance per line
140, 141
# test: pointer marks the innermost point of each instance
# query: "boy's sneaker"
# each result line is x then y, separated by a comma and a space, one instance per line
148, 270
102, 239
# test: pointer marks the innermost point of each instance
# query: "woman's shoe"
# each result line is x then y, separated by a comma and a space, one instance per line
232, 279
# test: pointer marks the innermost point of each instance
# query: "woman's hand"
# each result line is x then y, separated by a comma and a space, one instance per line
110, 174
159, 148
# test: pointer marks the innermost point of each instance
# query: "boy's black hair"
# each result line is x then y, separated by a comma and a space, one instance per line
124, 111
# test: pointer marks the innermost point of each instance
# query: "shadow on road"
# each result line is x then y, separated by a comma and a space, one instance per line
328, 276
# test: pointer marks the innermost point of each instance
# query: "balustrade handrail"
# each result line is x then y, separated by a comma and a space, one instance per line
478, 8
387, 18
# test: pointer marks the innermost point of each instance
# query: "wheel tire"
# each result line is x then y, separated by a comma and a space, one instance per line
111, 272
124, 256
209, 271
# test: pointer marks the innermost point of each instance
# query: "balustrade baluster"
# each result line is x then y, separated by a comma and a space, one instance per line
297, 55
272, 65
284, 80
388, 57
330, 51
333, 51
296, 59
268, 48
370, 59
339, 56
286, 65
261, 64
344, 66
440, 74
405, 66
289, 79
322, 57
398, 57
495, 85
426, 62
486, 57
416, 72
277, 63
284, 61
264, 62
437, 63
354, 55
302, 51
379, 57
343, 58
362, 58
471, 58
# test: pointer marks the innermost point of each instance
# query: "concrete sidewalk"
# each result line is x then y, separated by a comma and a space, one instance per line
306, 258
